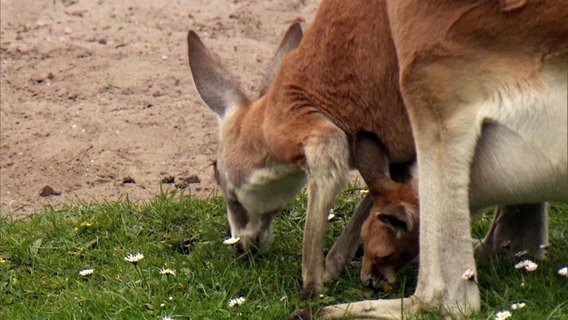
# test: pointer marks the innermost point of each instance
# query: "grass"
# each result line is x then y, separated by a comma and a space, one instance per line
41, 257
109, 84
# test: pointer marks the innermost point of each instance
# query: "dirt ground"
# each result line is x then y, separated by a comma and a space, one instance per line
97, 101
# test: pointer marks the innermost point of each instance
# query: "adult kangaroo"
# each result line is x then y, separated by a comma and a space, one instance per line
340, 80
487, 77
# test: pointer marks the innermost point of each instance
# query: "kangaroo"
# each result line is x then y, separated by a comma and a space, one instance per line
390, 233
339, 80
483, 81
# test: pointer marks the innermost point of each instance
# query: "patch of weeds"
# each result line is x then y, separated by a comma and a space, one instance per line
109, 84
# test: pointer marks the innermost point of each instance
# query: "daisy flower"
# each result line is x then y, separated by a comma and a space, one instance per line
531, 266
168, 272
134, 258
527, 265
563, 271
86, 272
167, 318
331, 215
468, 274
517, 306
236, 301
502, 315
521, 264
231, 240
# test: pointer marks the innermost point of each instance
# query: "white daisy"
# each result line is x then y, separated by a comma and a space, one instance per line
563, 271
236, 301
232, 240
517, 306
521, 264
527, 265
134, 258
86, 272
531, 266
331, 215
167, 318
468, 274
168, 272
502, 315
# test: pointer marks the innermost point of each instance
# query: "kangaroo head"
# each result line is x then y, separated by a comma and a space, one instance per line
390, 233
255, 187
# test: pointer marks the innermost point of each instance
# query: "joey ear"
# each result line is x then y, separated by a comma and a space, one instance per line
370, 159
290, 41
397, 217
214, 84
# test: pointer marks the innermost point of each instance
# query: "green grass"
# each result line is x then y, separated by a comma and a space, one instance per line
109, 84
43, 254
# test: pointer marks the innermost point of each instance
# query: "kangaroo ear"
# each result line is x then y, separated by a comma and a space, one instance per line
214, 84
397, 217
290, 41
370, 159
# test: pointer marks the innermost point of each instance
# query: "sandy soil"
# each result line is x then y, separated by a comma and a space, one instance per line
97, 102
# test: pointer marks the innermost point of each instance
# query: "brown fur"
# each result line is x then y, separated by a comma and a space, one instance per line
483, 81
388, 246
341, 72
344, 71
390, 233
341, 80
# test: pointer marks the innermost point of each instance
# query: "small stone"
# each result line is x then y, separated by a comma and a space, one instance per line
190, 179
168, 179
47, 191
128, 179
40, 77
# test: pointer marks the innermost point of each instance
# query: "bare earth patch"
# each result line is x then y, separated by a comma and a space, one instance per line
97, 101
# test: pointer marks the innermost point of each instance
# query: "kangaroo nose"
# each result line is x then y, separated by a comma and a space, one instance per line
366, 278
374, 280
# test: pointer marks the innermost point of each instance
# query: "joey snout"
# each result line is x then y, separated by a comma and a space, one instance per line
378, 278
